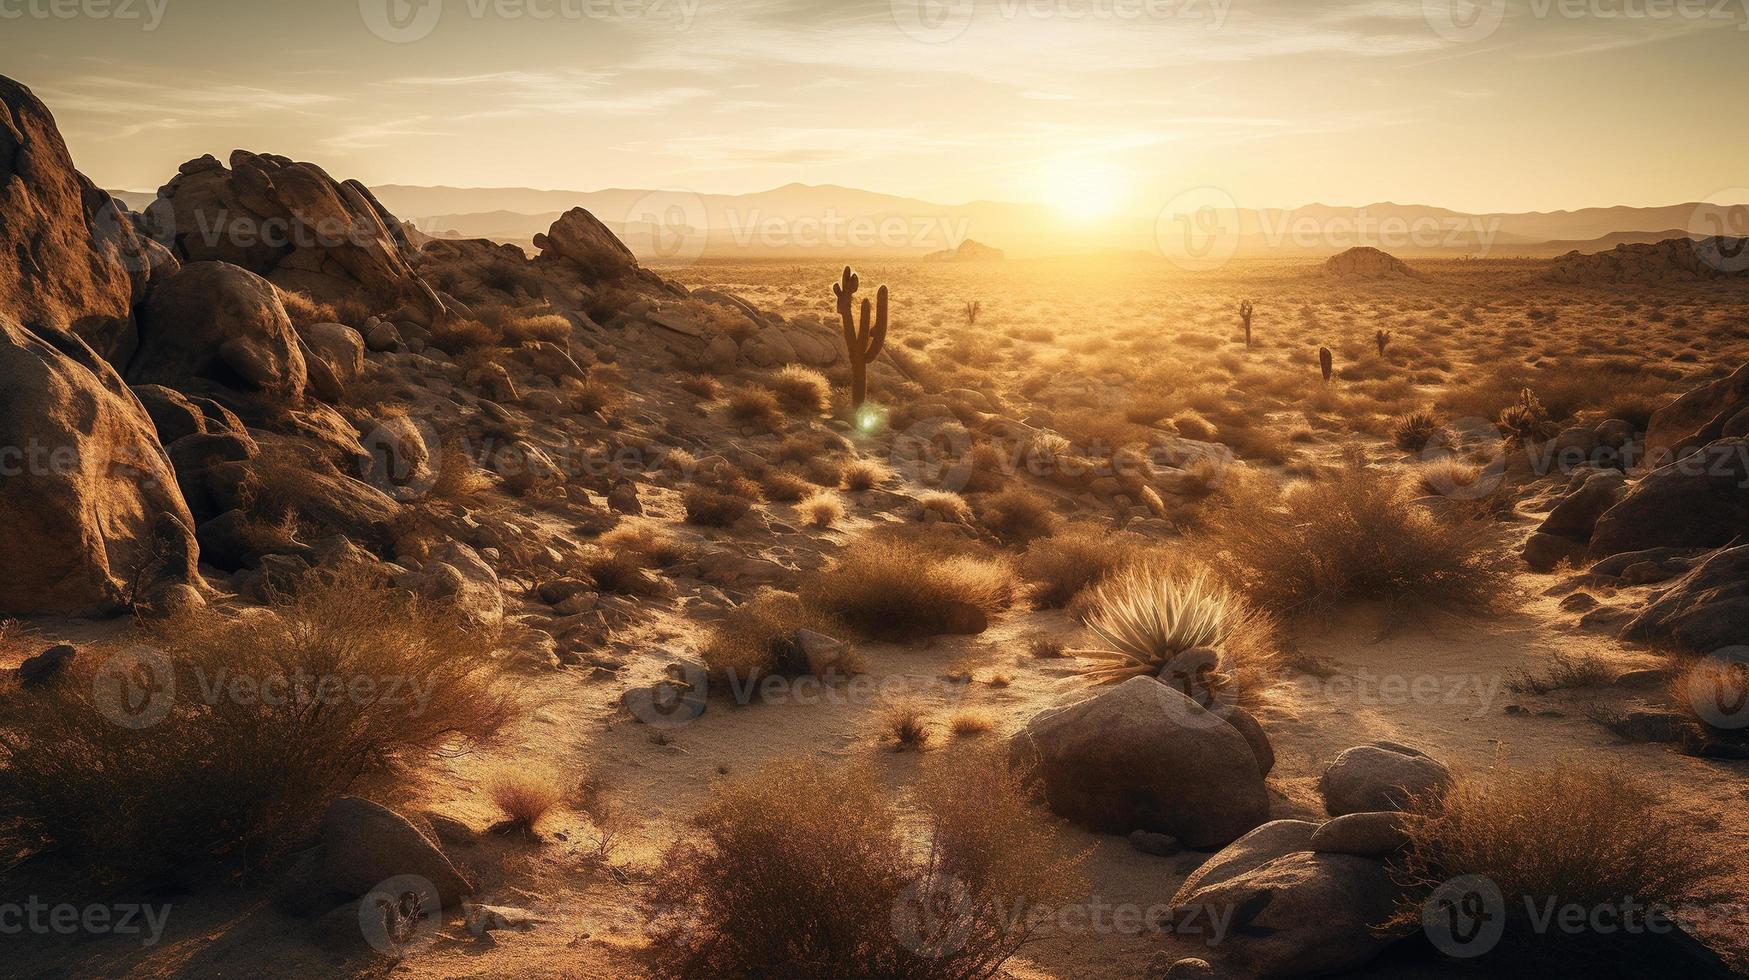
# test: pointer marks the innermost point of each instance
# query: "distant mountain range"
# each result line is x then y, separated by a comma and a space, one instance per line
814, 221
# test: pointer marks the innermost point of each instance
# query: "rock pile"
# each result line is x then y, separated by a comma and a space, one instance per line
1671, 260
1364, 261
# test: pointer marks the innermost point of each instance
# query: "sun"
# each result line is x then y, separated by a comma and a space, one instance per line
1082, 191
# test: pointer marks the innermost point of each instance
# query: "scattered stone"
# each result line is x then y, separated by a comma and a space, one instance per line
1159, 845
46, 666
365, 844
1365, 834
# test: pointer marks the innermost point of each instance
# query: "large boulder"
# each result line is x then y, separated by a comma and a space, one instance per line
1697, 418
218, 323
1699, 501
1142, 756
364, 844
1704, 611
1567, 530
579, 239
1298, 915
74, 261
298, 227
90, 503
1380, 776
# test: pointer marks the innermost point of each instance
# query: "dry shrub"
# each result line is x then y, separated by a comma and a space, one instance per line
1412, 432
1017, 516
705, 387
456, 477
908, 725
1572, 836
620, 571
822, 509
709, 507
460, 334
865, 474
231, 776
598, 395
1356, 535
786, 487
655, 546
524, 796
808, 870
305, 311
900, 587
1074, 558
971, 722
946, 505
802, 390
755, 406
753, 640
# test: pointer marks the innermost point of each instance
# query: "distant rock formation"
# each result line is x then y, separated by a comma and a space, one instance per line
1367, 262
969, 251
74, 261
1671, 260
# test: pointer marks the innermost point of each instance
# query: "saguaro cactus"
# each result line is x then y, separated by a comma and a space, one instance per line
972, 310
1245, 311
1383, 337
1326, 363
863, 342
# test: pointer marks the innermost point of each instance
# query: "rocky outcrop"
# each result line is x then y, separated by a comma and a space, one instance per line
216, 324
1704, 611
1705, 414
295, 226
1699, 501
579, 239
74, 261
968, 251
1671, 260
90, 503
1364, 261
1141, 756
1565, 533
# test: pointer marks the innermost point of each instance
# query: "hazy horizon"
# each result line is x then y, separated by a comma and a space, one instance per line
1097, 107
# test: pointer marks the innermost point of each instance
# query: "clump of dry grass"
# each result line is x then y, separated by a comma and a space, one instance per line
898, 587
822, 509
498, 326
1565, 672
970, 722
1412, 432
1017, 516
755, 406
753, 640
524, 796
864, 474
720, 497
1354, 535
806, 870
1074, 558
945, 505
802, 390
908, 725
1568, 836
705, 387
411, 680
785, 486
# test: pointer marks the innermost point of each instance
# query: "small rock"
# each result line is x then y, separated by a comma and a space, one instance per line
46, 666
1380, 776
1365, 834
1159, 845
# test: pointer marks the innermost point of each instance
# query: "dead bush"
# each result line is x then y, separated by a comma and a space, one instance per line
1076, 557
802, 390
171, 759
1017, 516
808, 870
899, 587
754, 640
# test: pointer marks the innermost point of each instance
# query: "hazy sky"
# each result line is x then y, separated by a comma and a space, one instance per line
1471, 104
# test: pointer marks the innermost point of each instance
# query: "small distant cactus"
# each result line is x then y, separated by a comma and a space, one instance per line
863, 342
1326, 363
1245, 311
972, 310
1383, 337
1527, 420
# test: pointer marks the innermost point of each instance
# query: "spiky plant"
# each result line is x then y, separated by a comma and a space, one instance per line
1147, 615
1383, 339
1245, 311
972, 310
863, 342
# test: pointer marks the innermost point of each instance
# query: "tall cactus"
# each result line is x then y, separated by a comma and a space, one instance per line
1326, 363
863, 342
1245, 311
1383, 339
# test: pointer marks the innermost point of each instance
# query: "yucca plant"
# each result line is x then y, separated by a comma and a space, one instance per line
1146, 615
